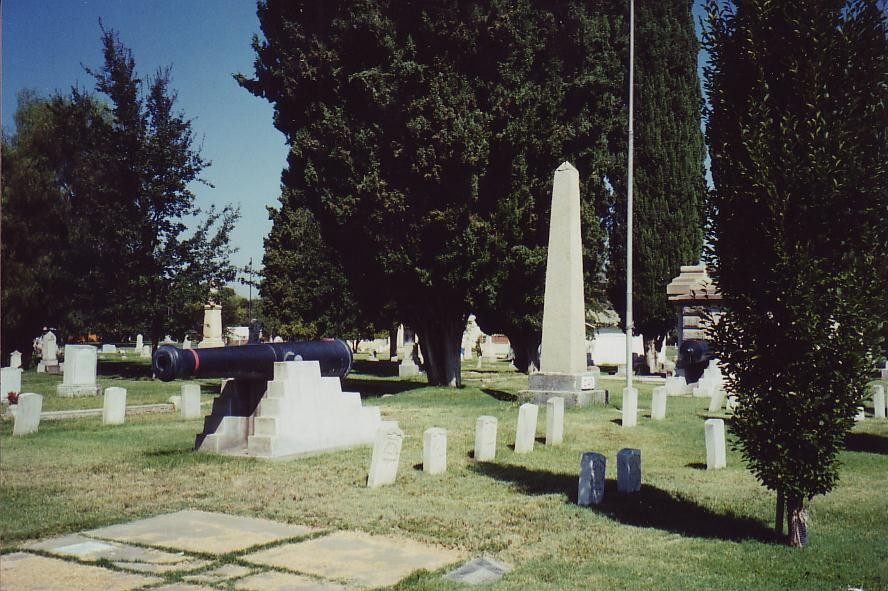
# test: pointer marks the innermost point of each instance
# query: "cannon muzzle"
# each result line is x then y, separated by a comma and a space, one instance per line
255, 362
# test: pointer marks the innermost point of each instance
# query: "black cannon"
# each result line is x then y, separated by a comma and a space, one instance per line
250, 362
693, 356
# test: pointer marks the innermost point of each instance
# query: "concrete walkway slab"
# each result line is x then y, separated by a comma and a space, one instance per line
147, 560
27, 572
220, 573
200, 531
277, 581
357, 557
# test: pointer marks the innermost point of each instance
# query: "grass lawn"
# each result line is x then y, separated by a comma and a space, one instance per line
688, 528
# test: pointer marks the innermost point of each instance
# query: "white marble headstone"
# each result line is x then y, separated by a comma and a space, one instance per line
525, 432
27, 413
114, 407
434, 450
485, 438
554, 420
190, 401
386, 455
714, 430
15, 359
658, 403
878, 401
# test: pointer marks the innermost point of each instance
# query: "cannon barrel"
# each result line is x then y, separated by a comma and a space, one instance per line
254, 362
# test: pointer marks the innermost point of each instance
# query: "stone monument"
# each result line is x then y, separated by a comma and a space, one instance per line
27, 414
212, 325
485, 438
49, 354
591, 486
114, 406
386, 455
563, 369
80, 371
298, 412
434, 450
408, 367
15, 359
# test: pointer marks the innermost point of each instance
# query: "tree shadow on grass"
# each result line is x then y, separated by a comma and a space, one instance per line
125, 370
867, 443
500, 395
377, 388
650, 507
382, 369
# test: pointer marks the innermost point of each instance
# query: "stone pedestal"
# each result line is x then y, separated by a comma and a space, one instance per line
408, 368
299, 412
212, 328
80, 371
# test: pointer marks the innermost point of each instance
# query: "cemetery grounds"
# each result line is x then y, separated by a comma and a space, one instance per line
688, 528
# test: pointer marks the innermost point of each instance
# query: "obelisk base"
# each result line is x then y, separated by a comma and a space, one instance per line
577, 389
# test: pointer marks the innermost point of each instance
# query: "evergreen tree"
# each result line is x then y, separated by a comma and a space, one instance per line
669, 185
798, 135
413, 140
304, 288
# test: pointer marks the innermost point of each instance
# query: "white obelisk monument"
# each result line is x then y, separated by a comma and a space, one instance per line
563, 371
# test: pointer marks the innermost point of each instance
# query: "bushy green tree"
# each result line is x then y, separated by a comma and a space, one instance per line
798, 135
95, 197
669, 185
304, 288
425, 157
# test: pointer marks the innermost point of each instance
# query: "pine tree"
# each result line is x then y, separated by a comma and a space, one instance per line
669, 186
798, 135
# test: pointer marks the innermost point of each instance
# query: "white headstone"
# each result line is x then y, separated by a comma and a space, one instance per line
139, 343
861, 414
15, 359
386, 455
114, 407
554, 420
186, 343
10, 381
485, 438
190, 402
677, 386
80, 371
564, 317
434, 450
630, 407
714, 430
878, 401
145, 352
50, 351
27, 413
658, 403
731, 404
525, 432
717, 401
109, 348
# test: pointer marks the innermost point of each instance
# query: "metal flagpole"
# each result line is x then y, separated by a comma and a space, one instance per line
629, 326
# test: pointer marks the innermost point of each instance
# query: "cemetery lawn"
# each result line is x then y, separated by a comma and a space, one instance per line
688, 528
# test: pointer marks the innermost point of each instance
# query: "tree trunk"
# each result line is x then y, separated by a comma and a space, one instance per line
440, 341
778, 519
798, 523
393, 343
526, 347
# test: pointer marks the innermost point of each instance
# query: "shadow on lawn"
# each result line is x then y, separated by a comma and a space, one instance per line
377, 388
650, 507
126, 370
380, 369
500, 395
867, 442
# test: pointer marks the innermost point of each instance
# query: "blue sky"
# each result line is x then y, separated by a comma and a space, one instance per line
46, 43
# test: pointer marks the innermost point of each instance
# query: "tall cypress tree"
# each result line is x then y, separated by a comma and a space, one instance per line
798, 135
669, 185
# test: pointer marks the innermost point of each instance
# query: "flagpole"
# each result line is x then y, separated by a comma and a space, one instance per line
629, 326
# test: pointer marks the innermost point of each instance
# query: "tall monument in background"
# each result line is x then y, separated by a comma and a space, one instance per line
563, 370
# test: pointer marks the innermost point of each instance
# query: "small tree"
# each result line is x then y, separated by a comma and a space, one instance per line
798, 134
